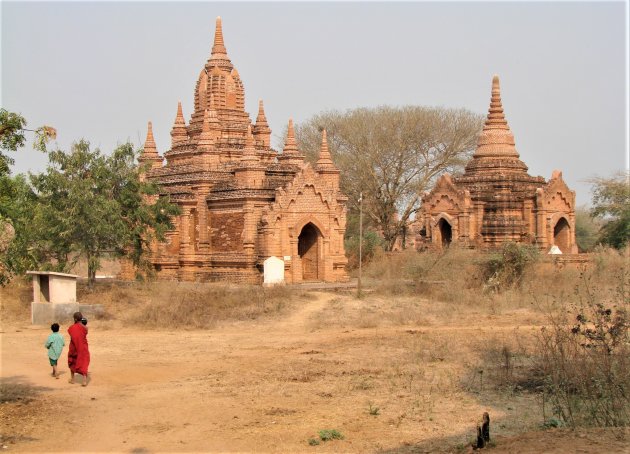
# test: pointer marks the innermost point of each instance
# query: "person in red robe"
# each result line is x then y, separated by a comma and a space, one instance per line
78, 352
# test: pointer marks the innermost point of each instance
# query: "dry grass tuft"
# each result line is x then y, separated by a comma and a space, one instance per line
186, 305
15, 301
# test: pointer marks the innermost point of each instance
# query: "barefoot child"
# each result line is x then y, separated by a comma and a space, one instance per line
78, 351
54, 344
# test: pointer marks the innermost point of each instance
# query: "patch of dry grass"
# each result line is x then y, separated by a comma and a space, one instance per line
162, 304
456, 276
15, 301
187, 305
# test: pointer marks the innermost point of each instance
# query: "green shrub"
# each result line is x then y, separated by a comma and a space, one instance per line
371, 246
330, 434
507, 268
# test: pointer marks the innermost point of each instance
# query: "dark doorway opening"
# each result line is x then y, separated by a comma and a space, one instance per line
308, 250
446, 232
562, 235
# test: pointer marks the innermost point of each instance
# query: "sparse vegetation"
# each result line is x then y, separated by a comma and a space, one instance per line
611, 204
507, 269
585, 365
372, 244
330, 434
191, 306
164, 305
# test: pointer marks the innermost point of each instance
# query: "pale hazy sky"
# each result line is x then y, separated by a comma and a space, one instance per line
100, 71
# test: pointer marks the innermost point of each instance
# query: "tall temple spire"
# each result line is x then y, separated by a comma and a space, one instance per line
290, 145
290, 154
150, 153
179, 133
219, 52
249, 152
324, 155
496, 138
150, 149
261, 129
261, 119
179, 117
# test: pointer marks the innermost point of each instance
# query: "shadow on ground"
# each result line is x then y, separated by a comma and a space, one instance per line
18, 389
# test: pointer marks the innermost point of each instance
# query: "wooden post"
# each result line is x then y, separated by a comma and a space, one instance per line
485, 427
360, 243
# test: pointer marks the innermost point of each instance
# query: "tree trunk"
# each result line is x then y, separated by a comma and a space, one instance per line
93, 265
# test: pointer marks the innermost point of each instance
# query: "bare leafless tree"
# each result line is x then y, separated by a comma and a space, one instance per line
392, 155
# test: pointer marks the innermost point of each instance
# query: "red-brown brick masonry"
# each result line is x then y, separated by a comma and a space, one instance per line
496, 200
242, 201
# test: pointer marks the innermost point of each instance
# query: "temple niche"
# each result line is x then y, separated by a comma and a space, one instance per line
241, 201
496, 201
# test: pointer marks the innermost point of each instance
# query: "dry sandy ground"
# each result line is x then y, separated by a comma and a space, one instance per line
270, 386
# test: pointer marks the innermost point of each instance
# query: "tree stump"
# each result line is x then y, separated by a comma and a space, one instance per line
483, 432
485, 428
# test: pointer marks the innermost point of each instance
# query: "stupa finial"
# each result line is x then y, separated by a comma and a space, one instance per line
178, 132
179, 118
218, 48
261, 118
324, 153
290, 145
149, 143
496, 138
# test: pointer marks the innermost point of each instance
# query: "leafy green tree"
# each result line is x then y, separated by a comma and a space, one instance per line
145, 214
611, 203
17, 206
12, 129
14, 194
90, 204
586, 229
391, 155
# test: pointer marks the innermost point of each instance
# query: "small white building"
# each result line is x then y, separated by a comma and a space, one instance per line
54, 297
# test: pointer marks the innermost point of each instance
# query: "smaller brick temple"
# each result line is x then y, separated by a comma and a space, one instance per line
241, 201
496, 201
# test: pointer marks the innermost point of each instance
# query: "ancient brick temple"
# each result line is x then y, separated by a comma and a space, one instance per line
496, 200
241, 201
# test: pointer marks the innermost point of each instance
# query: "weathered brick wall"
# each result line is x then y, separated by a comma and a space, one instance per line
226, 231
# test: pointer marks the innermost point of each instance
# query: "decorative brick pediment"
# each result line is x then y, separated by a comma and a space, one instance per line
445, 196
303, 194
557, 195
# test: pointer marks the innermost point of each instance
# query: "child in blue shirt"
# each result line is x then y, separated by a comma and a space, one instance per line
54, 344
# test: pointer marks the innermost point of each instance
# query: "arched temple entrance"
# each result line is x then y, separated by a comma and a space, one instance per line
308, 250
446, 232
562, 235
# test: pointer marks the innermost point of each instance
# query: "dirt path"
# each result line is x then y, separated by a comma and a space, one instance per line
159, 390
263, 386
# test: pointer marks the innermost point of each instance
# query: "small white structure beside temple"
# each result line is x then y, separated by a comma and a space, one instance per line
54, 297
273, 271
